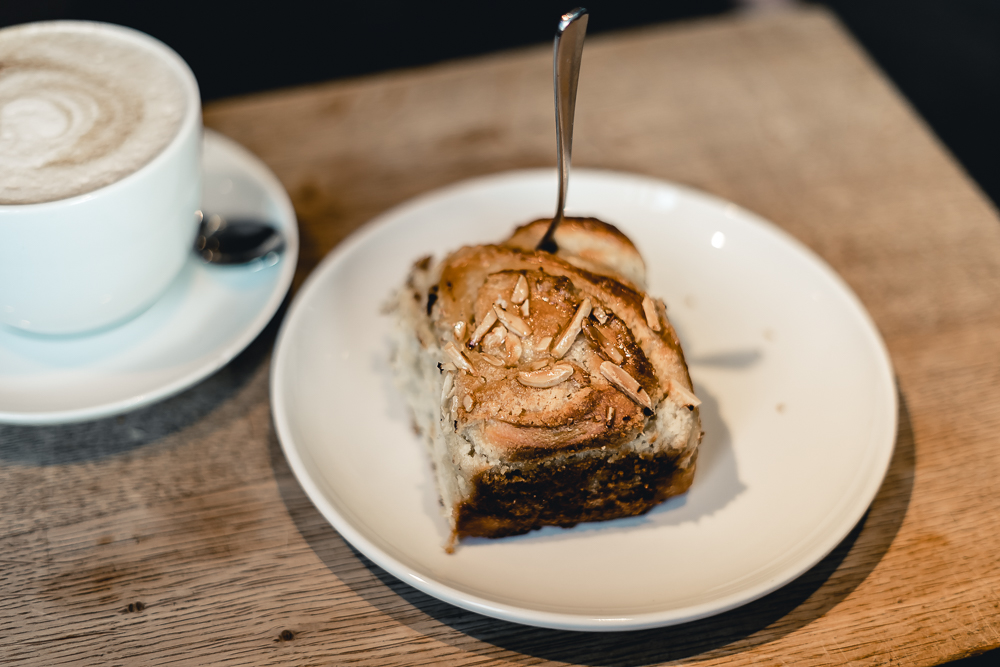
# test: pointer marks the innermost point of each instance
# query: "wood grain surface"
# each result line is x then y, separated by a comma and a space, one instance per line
176, 534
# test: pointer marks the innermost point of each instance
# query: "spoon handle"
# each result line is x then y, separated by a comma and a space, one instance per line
567, 51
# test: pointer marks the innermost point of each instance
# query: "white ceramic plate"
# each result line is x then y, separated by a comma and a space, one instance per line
799, 411
207, 316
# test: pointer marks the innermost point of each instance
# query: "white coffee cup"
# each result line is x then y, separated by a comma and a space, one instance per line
94, 259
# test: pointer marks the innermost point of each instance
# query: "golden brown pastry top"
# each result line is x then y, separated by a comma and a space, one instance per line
588, 243
547, 356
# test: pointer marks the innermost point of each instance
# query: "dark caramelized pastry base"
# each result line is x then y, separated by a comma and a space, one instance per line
550, 389
511, 500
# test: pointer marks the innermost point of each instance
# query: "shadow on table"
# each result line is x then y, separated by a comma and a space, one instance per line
112, 436
784, 611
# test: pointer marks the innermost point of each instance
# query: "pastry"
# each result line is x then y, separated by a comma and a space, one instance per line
550, 389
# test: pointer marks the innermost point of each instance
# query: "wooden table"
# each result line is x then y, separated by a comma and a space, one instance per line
177, 535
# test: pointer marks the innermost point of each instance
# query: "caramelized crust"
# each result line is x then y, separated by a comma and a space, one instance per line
518, 500
506, 414
588, 243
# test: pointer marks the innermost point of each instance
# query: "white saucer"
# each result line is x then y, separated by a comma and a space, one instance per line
799, 411
207, 316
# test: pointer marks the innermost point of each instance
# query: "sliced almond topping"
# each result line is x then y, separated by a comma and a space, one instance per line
514, 349
611, 414
566, 338
679, 394
543, 344
459, 330
488, 321
479, 358
548, 377
497, 333
512, 321
467, 403
526, 308
644, 400
613, 353
448, 366
520, 290
535, 365
493, 341
502, 302
493, 361
600, 314
652, 318
449, 383
458, 358
453, 412
608, 347
620, 378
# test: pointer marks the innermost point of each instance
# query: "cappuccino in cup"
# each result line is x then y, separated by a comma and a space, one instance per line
79, 111
100, 178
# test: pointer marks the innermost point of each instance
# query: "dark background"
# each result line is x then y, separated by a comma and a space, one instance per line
943, 55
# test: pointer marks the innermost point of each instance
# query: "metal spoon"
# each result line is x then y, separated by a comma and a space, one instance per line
567, 51
236, 241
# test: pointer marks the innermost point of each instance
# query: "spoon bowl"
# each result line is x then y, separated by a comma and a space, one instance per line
236, 241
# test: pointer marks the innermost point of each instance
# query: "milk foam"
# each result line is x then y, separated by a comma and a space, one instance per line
79, 110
